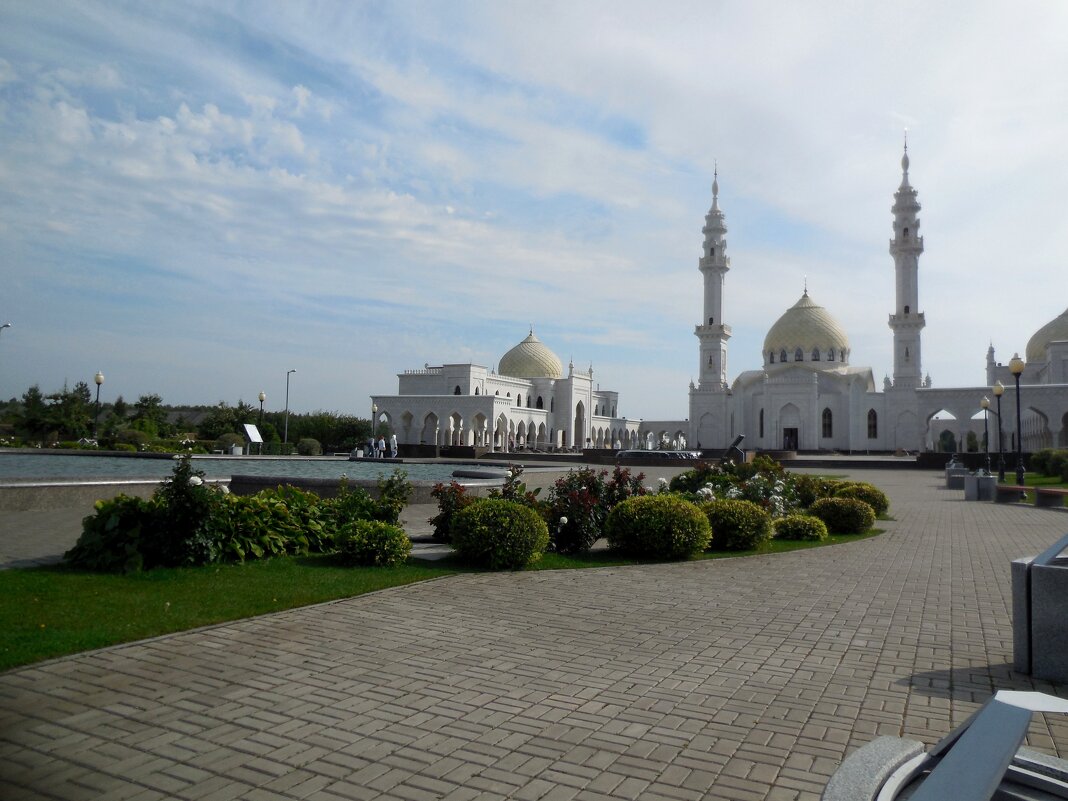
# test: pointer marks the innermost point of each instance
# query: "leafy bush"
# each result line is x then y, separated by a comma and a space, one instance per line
575, 511
111, 536
861, 491
657, 527
499, 534
737, 525
372, 542
131, 436
451, 498
699, 476
622, 486
254, 527
349, 505
515, 490
844, 515
309, 447
125, 447
800, 527
181, 531
760, 464
393, 495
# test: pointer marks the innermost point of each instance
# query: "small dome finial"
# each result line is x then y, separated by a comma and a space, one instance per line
806, 285
905, 156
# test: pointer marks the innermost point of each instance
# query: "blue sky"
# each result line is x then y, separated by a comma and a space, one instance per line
195, 198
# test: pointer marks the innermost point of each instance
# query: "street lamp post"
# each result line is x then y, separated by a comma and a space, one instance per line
263, 397
1016, 366
999, 390
285, 436
985, 404
99, 379
374, 436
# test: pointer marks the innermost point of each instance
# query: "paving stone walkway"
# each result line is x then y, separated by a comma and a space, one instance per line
730, 679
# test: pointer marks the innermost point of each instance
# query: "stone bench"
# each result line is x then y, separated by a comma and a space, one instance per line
1050, 496
1009, 493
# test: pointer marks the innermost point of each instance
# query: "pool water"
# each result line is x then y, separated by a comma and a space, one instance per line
19, 467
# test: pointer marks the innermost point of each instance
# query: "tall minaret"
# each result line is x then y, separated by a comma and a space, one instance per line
713, 264
907, 320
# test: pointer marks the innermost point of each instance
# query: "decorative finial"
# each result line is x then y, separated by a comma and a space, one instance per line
905, 157
532, 329
806, 284
715, 179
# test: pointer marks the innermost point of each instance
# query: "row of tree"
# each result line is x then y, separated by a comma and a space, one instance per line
71, 415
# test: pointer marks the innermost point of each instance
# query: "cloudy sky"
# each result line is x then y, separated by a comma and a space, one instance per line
195, 199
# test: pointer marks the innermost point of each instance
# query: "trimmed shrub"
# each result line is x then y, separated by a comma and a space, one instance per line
393, 495
811, 488
844, 515
374, 543
309, 447
657, 527
499, 534
227, 441
131, 436
870, 494
737, 525
1058, 460
800, 527
451, 498
1039, 461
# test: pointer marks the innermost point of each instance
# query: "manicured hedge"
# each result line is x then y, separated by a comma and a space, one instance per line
844, 515
870, 494
800, 527
737, 525
499, 534
657, 527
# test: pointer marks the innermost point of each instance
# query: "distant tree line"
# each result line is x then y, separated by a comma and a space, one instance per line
71, 415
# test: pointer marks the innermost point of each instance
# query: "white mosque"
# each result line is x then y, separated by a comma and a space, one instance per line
806, 395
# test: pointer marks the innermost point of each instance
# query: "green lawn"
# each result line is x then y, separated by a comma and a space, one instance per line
54, 611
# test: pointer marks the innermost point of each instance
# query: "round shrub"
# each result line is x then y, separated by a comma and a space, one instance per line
372, 542
811, 488
1039, 461
844, 515
800, 527
499, 534
1056, 463
309, 447
657, 527
870, 494
227, 441
737, 525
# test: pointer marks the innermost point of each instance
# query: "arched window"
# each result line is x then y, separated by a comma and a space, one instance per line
508, 394
528, 401
873, 424
711, 253
906, 234
799, 355
540, 405
906, 310
906, 353
771, 356
519, 399
830, 355
828, 424
761, 422
476, 390
815, 354
457, 390
613, 411
782, 355
552, 404
498, 392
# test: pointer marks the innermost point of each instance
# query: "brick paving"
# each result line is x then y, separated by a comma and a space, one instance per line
729, 679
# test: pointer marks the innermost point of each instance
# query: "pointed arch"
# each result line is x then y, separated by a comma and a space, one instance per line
873, 424
827, 423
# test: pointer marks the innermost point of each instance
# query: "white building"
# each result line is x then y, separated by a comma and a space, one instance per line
527, 402
807, 396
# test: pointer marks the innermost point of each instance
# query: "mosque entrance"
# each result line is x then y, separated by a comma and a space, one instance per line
789, 439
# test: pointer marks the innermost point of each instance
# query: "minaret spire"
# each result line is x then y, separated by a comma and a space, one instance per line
714, 264
906, 321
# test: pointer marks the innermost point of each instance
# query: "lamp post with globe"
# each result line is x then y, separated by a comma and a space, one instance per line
263, 397
1016, 367
985, 405
999, 390
99, 379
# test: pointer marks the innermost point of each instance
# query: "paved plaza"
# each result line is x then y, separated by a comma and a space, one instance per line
736, 679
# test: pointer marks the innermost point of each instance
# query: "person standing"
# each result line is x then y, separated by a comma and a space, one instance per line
380, 450
393, 445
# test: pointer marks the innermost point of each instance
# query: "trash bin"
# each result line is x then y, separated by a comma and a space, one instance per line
236, 450
1039, 609
980, 487
980, 759
955, 473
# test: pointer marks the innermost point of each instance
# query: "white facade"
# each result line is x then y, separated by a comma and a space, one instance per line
529, 403
807, 396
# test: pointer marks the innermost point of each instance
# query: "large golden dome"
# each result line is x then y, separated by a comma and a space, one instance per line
1056, 330
531, 359
810, 327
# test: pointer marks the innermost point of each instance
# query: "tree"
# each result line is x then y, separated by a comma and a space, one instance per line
149, 415
33, 418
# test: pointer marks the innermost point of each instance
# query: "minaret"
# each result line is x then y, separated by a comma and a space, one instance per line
906, 321
713, 264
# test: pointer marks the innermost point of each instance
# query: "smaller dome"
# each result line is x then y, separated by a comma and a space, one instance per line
1056, 330
531, 359
806, 325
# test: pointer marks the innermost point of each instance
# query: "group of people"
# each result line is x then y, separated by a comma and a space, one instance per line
377, 447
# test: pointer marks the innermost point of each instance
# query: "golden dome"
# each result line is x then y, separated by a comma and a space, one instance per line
1056, 330
807, 326
531, 359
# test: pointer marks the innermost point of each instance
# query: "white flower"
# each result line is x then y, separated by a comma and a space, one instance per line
195, 481
663, 481
225, 490
563, 521
177, 456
